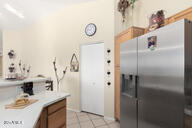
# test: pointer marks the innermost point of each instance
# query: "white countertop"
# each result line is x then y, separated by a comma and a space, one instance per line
29, 115
7, 83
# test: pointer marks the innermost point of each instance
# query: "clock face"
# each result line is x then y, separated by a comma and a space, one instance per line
90, 29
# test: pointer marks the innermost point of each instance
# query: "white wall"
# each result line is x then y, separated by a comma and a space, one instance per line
1, 41
144, 8
61, 35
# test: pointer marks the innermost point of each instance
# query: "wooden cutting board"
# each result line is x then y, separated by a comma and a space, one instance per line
14, 106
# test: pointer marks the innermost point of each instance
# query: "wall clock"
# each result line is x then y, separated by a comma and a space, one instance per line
90, 29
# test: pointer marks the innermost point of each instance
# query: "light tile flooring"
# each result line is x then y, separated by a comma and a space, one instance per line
87, 120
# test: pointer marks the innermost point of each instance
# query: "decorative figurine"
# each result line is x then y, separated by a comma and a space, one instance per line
160, 18
24, 72
11, 54
156, 20
13, 75
12, 68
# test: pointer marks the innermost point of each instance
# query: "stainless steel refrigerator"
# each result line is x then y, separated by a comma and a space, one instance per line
156, 78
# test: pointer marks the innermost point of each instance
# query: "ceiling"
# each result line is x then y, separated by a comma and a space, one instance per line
20, 13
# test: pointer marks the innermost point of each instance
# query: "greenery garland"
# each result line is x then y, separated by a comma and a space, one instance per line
132, 3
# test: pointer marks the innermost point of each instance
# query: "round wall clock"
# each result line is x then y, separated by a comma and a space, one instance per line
90, 29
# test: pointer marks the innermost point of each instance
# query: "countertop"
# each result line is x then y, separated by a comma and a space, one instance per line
28, 116
7, 83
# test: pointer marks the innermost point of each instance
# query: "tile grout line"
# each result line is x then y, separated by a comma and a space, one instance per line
78, 119
78, 122
93, 123
92, 120
96, 119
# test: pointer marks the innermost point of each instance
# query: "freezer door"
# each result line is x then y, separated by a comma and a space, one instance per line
128, 71
161, 77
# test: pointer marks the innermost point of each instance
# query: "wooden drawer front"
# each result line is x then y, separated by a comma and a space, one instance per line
53, 108
57, 119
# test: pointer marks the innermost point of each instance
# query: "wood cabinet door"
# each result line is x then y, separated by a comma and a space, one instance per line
117, 93
56, 106
53, 116
186, 14
43, 118
57, 119
38, 124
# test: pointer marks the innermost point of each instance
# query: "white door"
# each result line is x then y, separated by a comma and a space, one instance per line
92, 78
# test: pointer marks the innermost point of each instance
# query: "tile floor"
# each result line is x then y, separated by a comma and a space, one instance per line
87, 120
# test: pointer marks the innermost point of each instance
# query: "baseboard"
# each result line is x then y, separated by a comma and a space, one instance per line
74, 110
109, 118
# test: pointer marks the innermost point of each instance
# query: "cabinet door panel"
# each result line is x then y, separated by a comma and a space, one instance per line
56, 106
57, 119
117, 93
43, 118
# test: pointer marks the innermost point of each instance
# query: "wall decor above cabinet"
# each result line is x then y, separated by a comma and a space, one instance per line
185, 14
123, 5
157, 20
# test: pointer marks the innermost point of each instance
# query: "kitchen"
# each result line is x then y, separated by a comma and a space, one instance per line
47, 32
75, 48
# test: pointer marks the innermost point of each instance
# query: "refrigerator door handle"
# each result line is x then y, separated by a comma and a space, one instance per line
136, 86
